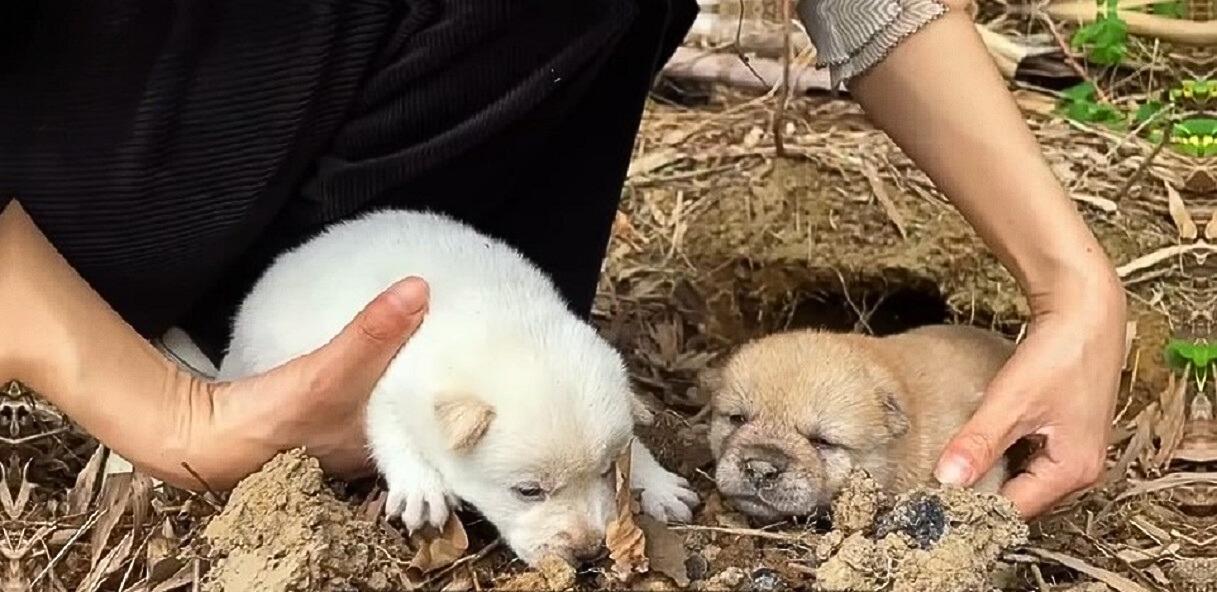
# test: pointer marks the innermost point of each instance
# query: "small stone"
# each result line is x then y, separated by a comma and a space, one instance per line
697, 566
728, 579
922, 517
765, 579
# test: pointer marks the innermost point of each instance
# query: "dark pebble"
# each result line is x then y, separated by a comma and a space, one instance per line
764, 579
697, 567
922, 518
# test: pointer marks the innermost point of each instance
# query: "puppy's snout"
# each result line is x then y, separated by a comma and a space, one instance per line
590, 553
764, 463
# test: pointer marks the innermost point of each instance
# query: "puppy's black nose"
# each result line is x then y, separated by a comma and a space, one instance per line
761, 470
764, 464
591, 553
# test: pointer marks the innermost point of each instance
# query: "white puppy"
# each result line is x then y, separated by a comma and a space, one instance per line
503, 398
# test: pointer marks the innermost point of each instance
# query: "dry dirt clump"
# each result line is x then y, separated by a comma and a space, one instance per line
551, 573
941, 539
283, 530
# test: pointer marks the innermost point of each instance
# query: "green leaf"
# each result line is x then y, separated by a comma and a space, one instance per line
1087, 112
1084, 91
1168, 9
1200, 355
1147, 111
1196, 126
1179, 354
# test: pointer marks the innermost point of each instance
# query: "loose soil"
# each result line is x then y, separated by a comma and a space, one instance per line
945, 540
283, 530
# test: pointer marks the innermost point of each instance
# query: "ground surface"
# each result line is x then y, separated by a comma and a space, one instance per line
719, 240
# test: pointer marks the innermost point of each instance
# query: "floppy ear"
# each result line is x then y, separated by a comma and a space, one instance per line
639, 410
895, 416
463, 419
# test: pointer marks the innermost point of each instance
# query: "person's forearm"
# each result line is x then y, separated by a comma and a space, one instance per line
62, 340
939, 96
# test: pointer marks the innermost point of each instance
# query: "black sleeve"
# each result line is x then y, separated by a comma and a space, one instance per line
168, 149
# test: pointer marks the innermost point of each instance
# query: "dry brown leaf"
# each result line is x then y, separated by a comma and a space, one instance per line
160, 553
1179, 214
184, 576
1130, 337
15, 507
1199, 440
1140, 441
114, 499
885, 200
1167, 482
626, 542
82, 492
108, 565
1172, 418
436, 550
1101, 203
372, 507
141, 499
652, 161
1116, 581
665, 550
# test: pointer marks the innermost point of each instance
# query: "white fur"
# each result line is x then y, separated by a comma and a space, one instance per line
496, 330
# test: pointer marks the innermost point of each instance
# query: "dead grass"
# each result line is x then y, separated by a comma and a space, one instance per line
718, 240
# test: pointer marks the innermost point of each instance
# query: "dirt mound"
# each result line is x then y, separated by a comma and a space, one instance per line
942, 539
283, 530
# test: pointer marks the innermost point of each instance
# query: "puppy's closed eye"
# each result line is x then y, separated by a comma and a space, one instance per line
530, 491
821, 442
735, 419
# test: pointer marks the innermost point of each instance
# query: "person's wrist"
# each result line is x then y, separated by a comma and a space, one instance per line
1087, 281
237, 437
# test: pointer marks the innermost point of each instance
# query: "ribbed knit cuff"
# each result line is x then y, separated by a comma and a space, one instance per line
851, 36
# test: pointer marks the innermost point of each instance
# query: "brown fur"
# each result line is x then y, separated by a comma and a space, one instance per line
794, 413
464, 420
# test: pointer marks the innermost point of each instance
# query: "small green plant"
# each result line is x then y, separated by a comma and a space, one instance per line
1193, 358
1192, 136
1201, 90
1080, 103
1172, 9
1105, 39
1147, 111
1195, 137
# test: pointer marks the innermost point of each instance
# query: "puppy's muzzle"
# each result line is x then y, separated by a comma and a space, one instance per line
763, 465
588, 554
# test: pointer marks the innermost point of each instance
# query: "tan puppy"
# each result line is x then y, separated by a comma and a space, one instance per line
794, 412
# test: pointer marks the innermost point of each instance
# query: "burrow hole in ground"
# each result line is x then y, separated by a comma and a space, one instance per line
773, 299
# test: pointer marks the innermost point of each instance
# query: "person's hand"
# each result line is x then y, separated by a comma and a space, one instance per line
1060, 384
317, 401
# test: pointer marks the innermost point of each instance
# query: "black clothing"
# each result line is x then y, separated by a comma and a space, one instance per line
171, 148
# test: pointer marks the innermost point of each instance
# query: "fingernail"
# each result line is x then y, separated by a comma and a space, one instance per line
953, 471
411, 294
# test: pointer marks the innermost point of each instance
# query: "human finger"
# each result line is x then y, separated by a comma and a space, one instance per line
1047, 481
977, 446
363, 349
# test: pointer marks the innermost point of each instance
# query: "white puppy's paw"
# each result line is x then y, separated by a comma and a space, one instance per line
667, 497
419, 497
